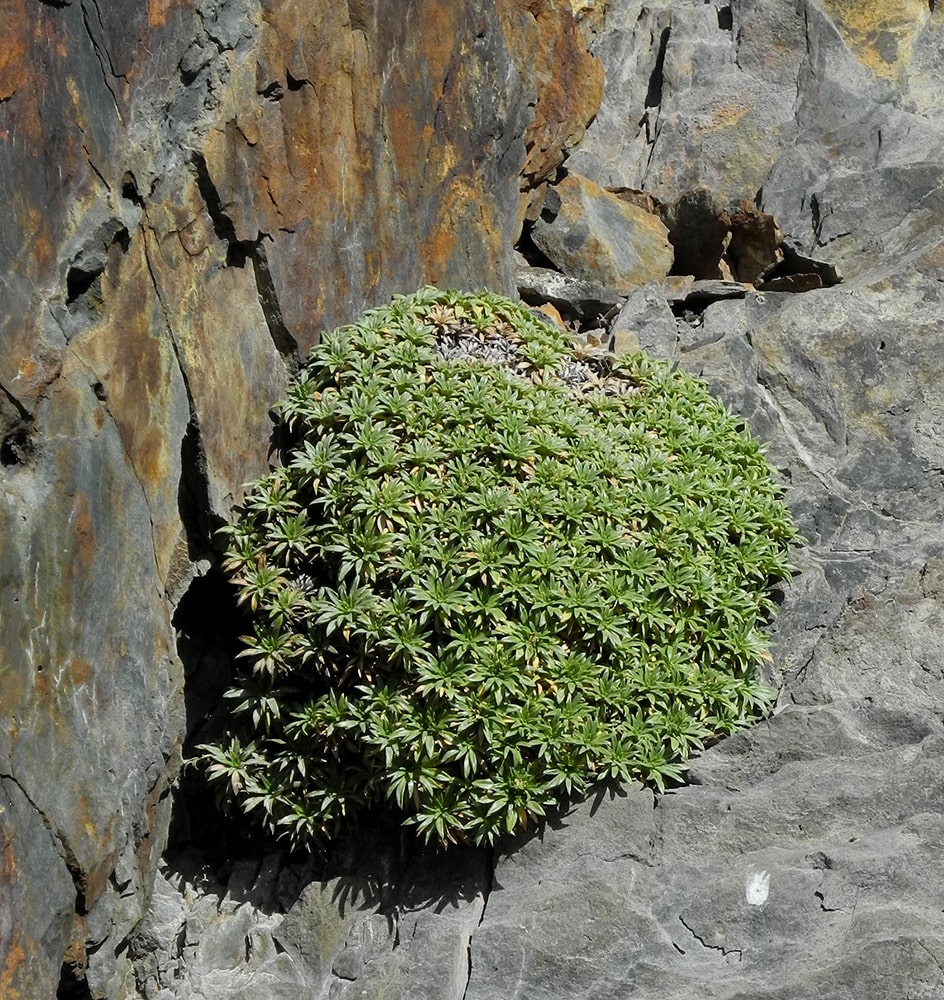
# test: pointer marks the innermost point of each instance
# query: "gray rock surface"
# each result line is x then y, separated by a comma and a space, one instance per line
593, 235
585, 300
698, 95
226, 193
645, 322
804, 859
190, 191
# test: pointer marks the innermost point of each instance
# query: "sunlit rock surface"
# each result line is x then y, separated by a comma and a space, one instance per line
189, 192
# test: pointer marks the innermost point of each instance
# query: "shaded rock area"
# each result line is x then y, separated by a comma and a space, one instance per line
804, 859
190, 191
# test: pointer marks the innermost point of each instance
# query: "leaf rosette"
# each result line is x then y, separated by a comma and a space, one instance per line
490, 570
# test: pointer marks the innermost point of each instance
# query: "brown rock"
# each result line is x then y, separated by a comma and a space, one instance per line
190, 194
596, 236
568, 79
756, 242
552, 313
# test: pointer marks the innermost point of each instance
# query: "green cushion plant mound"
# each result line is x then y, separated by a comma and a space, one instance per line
490, 571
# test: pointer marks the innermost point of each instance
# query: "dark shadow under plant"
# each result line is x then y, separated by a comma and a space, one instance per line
488, 573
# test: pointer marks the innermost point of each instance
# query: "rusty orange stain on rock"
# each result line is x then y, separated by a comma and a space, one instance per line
157, 12
14, 957
13, 61
11, 948
569, 79
723, 117
880, 34
83, 535
80, 671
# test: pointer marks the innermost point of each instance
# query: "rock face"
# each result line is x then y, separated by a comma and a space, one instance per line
191, 190
592, 235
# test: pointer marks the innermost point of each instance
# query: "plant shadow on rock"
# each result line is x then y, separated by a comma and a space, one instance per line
420, 652
378, 864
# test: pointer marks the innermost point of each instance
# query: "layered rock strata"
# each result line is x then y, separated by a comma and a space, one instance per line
184, 205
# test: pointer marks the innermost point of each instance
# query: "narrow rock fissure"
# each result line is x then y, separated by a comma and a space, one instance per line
284, 342
94, 168
489, 882
237, 250
490, 861
468, 970
193, 491
920, 944
822, 903
62, 845
16, 446
711, 947
656, 77
104, 60
199, 522
815, 220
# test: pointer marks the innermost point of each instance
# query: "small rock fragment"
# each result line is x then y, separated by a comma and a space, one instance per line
755, 243
645, 323
584, 300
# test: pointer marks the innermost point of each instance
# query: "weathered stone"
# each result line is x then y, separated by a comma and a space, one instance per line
685, 291
392, 927
756, 244
645, 323
886, 200
792, 283
568, 81
36, 900
697, 95
595, 236
583, 299
191, 190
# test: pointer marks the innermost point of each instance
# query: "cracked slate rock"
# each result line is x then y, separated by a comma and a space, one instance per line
595, 236
584, 300
384, 928
247, 172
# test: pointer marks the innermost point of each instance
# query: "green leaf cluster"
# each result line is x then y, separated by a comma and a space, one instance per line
480, 586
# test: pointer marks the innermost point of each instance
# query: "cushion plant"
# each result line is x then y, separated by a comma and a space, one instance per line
490, 570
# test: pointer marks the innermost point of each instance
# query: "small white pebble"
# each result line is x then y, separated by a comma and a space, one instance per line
757, 887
